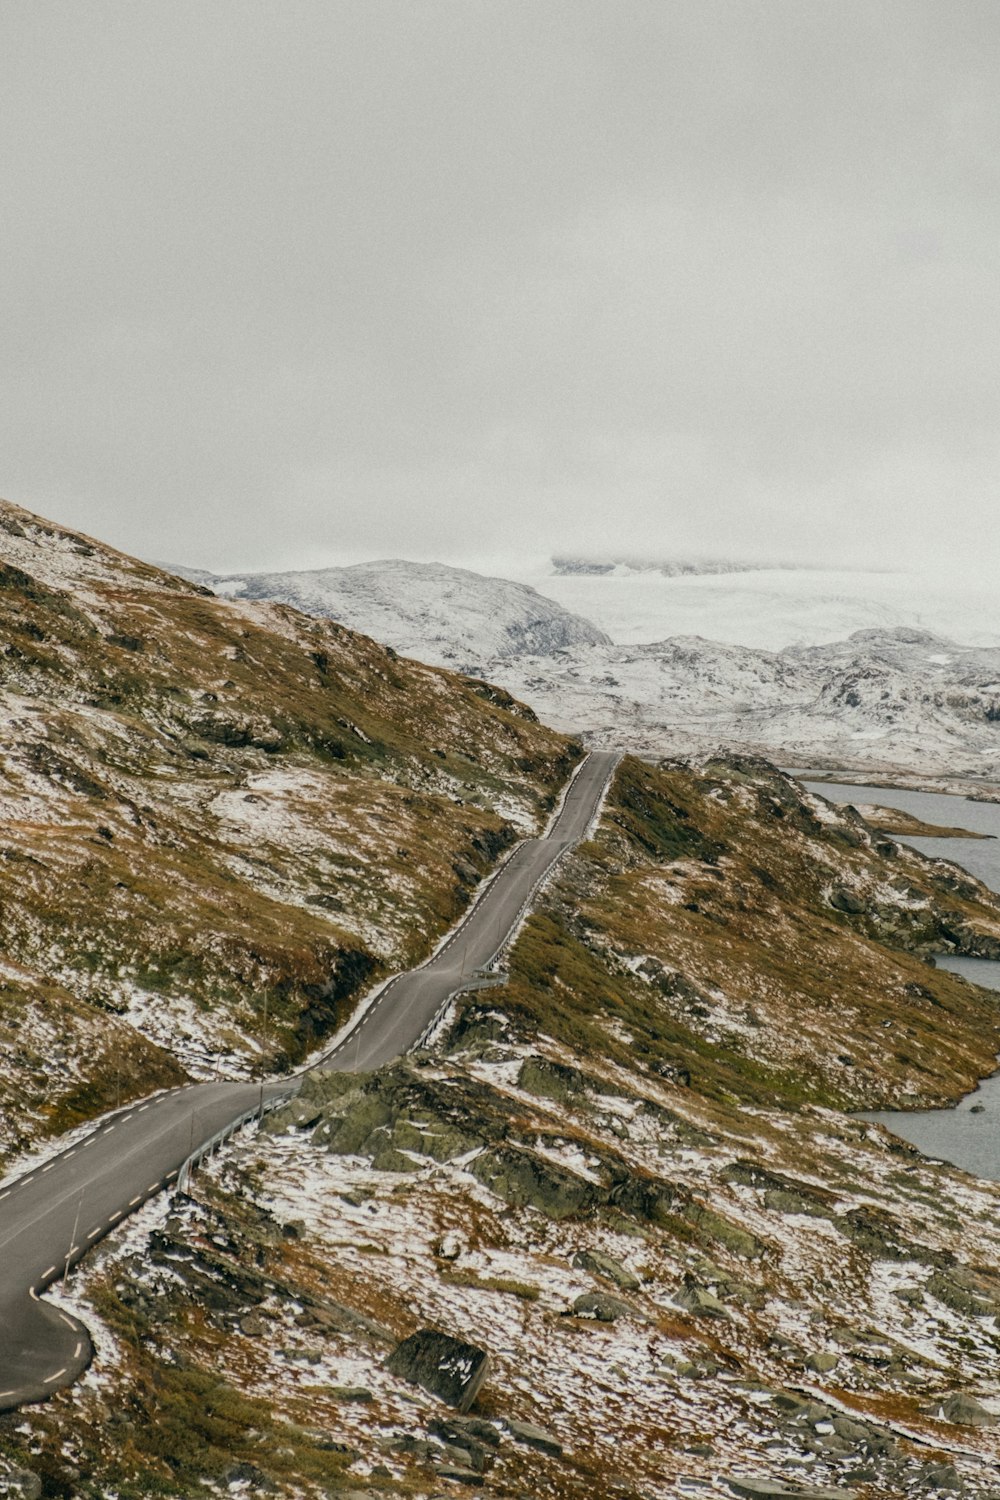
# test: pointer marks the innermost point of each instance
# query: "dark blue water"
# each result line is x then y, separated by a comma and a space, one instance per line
967, 1135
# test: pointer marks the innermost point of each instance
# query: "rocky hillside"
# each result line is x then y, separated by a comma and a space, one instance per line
883, 700
448, 616
221, 821
628, 1177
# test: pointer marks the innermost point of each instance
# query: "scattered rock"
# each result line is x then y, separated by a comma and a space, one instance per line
535, 1437
600, 1264
550, 1080
821, 1363
249, 1474
782, 1489
702, 1303
963, 1292
846, 901
941, 1477
455, 1472
444, 1366
334, 1317
965, 1410
604, 1308
351, 1393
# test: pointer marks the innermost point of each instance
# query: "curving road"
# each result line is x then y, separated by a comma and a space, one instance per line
54, 1213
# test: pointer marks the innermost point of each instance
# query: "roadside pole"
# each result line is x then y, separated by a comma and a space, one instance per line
72, 1239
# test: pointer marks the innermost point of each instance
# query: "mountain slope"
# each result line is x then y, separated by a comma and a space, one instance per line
220, 821
447, 616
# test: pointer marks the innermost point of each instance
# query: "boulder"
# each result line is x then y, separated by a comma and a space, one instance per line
846, 901
604, 1308
535, 1437
702, 1303
446, 1367
464, 1431
600, 1264
941, 1477
821, 1363
967, 1411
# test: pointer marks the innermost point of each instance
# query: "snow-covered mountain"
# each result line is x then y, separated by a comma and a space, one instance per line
900, 698
446, 616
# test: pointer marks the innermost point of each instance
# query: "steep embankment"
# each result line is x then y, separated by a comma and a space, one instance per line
220, 821
628, 1176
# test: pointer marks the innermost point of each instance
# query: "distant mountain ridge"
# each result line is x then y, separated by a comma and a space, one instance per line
442, 615
898, 698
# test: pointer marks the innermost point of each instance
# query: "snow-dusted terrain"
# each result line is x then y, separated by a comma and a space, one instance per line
449, 617
898, 698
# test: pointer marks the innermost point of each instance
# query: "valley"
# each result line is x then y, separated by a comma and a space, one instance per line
629, 1176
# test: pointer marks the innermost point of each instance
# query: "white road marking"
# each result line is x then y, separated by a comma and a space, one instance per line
95, 1232
49, 1272
133, 1201
79, 1349
68, 1321
57, 1376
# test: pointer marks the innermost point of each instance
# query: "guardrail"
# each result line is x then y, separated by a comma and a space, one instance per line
476, 981
221, 1136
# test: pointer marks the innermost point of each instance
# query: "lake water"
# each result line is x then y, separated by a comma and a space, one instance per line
967, 1135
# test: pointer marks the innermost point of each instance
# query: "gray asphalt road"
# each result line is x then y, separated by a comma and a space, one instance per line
54, 1213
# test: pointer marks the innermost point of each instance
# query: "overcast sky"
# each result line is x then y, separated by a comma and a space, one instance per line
309, 281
